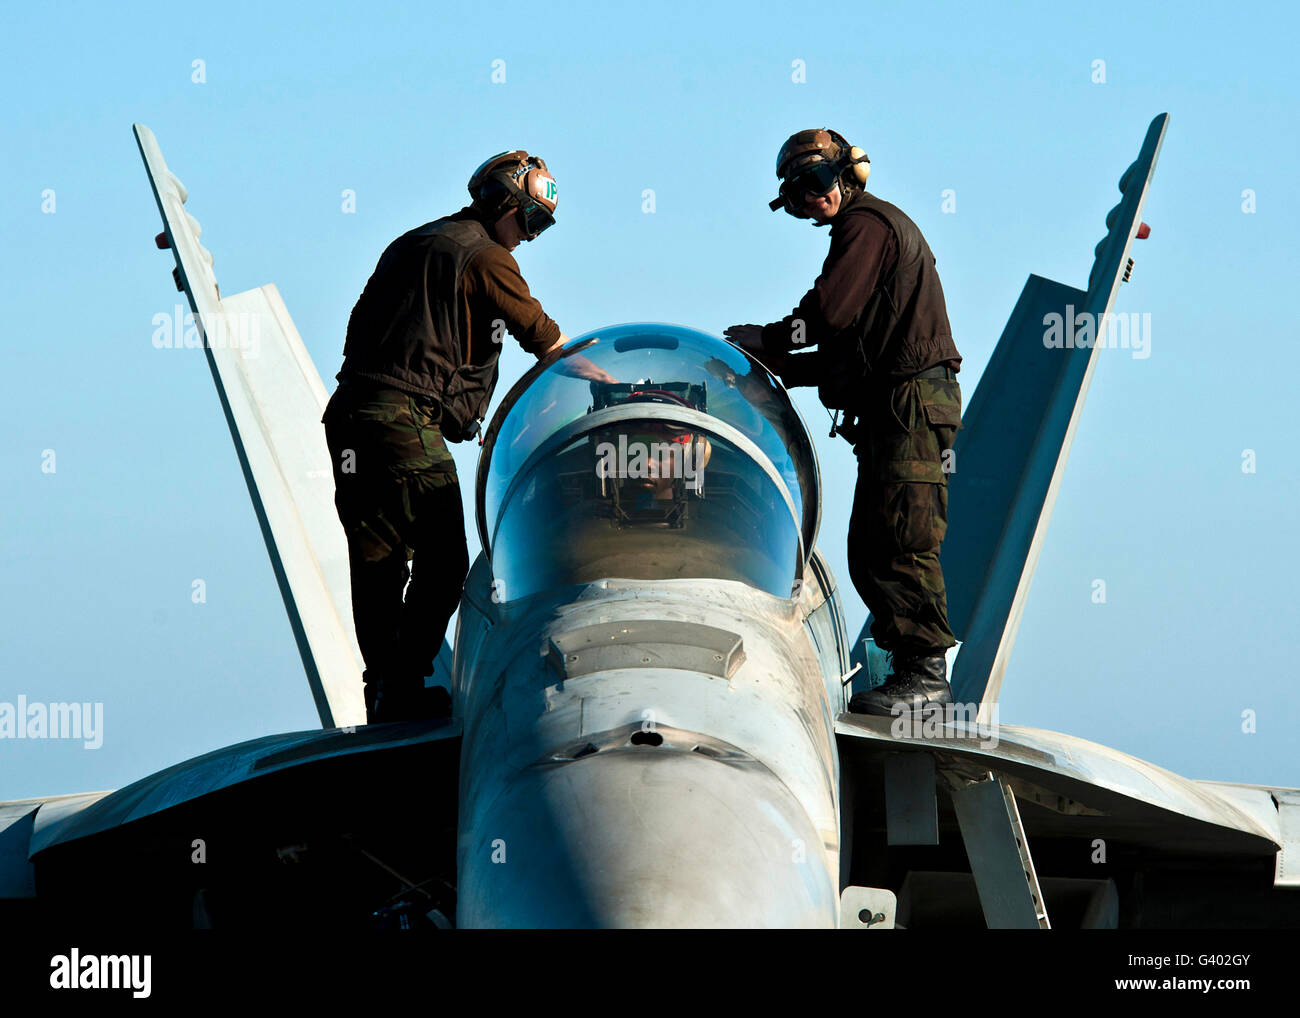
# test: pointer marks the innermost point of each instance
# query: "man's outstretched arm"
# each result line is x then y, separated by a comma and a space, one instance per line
494, 278
862, 249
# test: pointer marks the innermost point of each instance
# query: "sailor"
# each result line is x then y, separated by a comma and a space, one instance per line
419, 369
885, 359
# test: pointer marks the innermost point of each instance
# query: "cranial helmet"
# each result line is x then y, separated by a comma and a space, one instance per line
815, 161
516, 180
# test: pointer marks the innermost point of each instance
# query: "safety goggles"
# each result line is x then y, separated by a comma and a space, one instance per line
817, 180
536, 218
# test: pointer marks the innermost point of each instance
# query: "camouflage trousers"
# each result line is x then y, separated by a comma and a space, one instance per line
900, 513
398, 498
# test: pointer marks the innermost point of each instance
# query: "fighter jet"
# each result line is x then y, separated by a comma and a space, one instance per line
650, 678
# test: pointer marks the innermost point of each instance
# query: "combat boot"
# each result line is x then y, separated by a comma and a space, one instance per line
435, 702
918, 682
411, 701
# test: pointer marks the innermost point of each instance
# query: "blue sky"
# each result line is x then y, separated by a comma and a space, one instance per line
996, 103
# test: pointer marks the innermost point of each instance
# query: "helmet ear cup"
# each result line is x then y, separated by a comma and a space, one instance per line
861, 170
858, 171
497, 198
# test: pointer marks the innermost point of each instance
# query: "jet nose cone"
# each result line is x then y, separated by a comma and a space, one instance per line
645, 836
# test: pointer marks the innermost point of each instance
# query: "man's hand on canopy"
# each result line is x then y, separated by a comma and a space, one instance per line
748, 337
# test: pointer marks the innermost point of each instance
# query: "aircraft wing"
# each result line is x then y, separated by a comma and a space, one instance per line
1016, 435
1163, 849
18, 828
218, 831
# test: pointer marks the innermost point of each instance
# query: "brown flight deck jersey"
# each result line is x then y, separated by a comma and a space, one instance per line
426, 320
492, 288
876, 312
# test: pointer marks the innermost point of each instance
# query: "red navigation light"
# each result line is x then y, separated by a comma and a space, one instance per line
1144, 231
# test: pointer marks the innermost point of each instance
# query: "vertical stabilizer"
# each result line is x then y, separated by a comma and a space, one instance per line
1016, 434
273, 399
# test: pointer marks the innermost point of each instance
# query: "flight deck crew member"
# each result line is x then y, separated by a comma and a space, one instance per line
419, 368
885, 358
